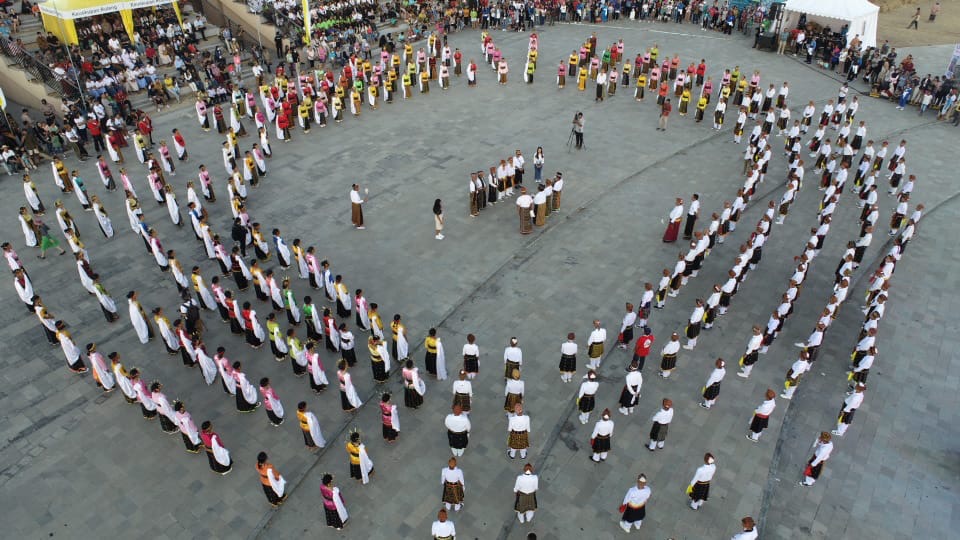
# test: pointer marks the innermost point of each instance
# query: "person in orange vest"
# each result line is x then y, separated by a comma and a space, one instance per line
271, 481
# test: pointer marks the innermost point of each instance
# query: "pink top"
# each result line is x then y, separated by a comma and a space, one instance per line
268, 394
327, 495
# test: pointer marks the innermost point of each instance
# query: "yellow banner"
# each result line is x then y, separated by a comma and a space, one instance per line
176, 9
306, 22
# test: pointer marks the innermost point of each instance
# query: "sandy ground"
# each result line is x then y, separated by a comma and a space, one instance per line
895, 15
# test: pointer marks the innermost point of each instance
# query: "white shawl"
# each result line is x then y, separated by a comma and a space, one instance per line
248, 390
124, 383
105, 224
366, 465
314, 426
221, 454
277, 338
341, 509
362, 312
257, 329
275, 404
316, 370
351, 391
402, 348
441, 362
100, 367
292, 306
394, 418
139, 323
208, 368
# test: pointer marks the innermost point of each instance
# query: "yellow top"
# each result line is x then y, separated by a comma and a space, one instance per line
302, 418
375, 321
430, 344
354, 451
374, 350
397, 327
702, 104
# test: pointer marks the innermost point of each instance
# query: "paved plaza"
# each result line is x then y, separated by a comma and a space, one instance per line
76, 464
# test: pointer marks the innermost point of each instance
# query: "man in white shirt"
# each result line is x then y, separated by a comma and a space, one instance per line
601, 85
692, 213
540, 206
356, 208
558, 192
518, 162
524, 207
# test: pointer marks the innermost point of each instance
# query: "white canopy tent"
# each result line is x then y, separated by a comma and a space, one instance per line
861, 15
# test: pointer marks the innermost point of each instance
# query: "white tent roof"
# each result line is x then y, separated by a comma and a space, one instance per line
844, 10
861, 15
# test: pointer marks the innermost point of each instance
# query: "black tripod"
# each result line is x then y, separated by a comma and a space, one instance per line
572, 137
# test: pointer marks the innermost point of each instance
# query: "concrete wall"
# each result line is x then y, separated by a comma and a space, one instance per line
19, 88
219, 12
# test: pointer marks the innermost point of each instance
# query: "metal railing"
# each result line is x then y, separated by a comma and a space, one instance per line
60, 85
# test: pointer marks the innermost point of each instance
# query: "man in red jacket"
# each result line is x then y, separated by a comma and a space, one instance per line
664, 115
145, 125
284, 123
642, 348
93, 128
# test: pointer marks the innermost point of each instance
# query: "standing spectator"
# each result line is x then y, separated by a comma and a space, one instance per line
915, 20
664, 115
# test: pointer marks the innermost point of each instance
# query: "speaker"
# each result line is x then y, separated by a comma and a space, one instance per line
776, 10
